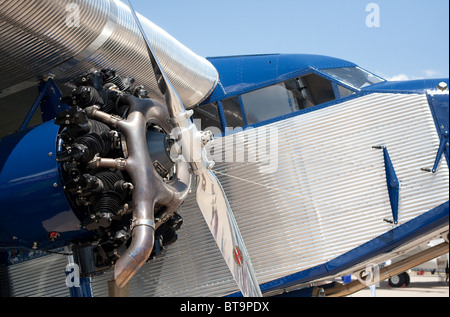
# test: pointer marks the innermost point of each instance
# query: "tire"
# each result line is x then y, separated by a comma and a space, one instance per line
407, 279
401, 280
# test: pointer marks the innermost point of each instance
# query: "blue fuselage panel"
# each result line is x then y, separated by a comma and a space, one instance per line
34, 210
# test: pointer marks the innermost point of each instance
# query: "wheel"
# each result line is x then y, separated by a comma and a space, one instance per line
401, 280
407, 279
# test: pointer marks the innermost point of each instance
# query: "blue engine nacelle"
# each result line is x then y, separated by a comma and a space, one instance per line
35, 212
68, 181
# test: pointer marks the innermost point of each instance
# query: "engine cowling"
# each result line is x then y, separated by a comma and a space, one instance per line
118, 170
106, 185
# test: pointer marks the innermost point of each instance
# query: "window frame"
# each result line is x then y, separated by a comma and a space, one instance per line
341, 82
335, 82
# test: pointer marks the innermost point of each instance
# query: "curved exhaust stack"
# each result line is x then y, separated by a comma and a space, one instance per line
136, 255
65, 40
149, 187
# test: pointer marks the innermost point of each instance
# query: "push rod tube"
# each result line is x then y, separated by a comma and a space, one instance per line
149, 188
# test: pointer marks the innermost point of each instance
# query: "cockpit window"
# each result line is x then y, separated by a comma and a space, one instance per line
354, 76
283, 98
207, 117
267, 103
233, 112
287, 97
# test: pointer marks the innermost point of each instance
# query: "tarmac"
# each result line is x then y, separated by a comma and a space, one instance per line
427, 285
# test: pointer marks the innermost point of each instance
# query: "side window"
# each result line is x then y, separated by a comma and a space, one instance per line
354, 76
344, 92
287, 97
233, 113
267, 103
319, 89
208, 117
275, 101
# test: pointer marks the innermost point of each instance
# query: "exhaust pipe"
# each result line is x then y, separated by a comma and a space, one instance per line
149, 188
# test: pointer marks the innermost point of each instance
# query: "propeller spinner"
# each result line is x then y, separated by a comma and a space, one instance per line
211, 197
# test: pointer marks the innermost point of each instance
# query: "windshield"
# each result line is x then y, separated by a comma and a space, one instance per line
354, 76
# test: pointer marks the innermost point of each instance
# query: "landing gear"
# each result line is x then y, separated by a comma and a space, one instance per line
401, 280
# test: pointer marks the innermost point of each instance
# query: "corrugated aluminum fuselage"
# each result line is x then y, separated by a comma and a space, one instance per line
324, 194
305, 190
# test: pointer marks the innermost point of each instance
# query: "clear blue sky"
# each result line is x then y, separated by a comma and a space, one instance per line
412, 40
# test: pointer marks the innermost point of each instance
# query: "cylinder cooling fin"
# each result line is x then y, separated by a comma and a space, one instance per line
108, 171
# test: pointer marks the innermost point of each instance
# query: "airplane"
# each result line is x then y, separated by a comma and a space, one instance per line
131, 166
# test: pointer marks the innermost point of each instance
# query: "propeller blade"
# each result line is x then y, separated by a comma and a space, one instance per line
218, 215
173, 100
211, 197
